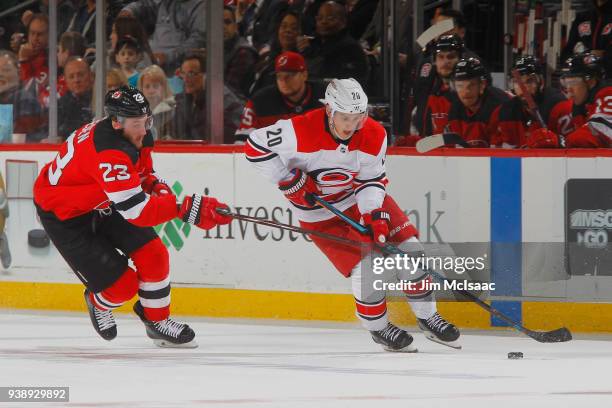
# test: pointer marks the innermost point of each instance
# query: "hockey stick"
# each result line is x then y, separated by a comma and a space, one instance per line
288, 227
434, 32
430, 143
533, 108
553, 336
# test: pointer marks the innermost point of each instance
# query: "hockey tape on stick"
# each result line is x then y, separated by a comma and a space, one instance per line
553, 336
435, 31
433, 142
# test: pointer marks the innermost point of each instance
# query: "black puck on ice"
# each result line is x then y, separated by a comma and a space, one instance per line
515, 355
38, 238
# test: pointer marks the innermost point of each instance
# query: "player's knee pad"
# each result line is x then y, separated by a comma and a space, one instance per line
152, 261
122, 290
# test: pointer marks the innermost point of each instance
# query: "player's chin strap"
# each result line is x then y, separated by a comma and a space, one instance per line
553, 336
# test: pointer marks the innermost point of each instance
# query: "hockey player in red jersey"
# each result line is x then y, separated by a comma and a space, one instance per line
474, 112
582, 76
519, 126
338, 152
432, 88
100, 195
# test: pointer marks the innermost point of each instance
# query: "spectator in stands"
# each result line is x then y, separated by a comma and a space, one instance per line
190, 116
179, 28
474, 111
128, 26
128, 53
592, 30
84, 21
582, 77
154, 85
239, 56
65, 12
361, 13
70, 44
74, 108
33, 59
519, 126
17, 39
256, 19
333, 53
115, 79
285, 40
25, 111
292, 95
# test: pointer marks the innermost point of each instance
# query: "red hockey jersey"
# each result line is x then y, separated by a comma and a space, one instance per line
516, 123
97, 166
593, 119
480, 128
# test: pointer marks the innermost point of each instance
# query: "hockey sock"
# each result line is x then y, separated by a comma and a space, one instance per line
152, 266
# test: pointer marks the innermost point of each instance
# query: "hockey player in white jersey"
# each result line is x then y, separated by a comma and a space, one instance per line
338, 153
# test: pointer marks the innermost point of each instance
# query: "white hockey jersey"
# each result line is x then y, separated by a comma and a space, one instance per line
347, 173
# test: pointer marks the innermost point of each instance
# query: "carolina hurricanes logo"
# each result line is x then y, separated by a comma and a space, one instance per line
282, 61
336, 177
116, 95
584, 28
607, 29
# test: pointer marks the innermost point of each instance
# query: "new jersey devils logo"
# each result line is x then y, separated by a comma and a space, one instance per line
116, 95
282, 61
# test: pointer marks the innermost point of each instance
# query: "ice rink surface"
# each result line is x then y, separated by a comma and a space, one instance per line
264, 364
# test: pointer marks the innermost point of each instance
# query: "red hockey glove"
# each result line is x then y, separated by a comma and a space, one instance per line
584, 137
542, 138
154, 185
378, 222
297, 188
201, 212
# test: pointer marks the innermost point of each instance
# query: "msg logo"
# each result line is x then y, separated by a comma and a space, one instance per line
593, 238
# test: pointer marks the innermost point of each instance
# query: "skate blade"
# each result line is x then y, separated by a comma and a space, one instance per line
166, 344
408, 349
452, 344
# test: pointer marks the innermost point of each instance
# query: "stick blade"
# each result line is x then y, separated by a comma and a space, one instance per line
555, 336
433, 142
435, 31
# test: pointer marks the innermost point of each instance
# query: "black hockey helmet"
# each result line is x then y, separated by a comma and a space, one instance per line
527, 65
126, 102
585, 65
468, 68
450, 42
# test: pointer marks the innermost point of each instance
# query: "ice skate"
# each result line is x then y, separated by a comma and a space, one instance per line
392, 338
103, 320
167, 333
440, 331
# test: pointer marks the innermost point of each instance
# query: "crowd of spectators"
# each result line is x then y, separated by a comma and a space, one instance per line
278, 56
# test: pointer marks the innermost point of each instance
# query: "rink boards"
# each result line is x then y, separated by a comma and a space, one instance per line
250, 271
